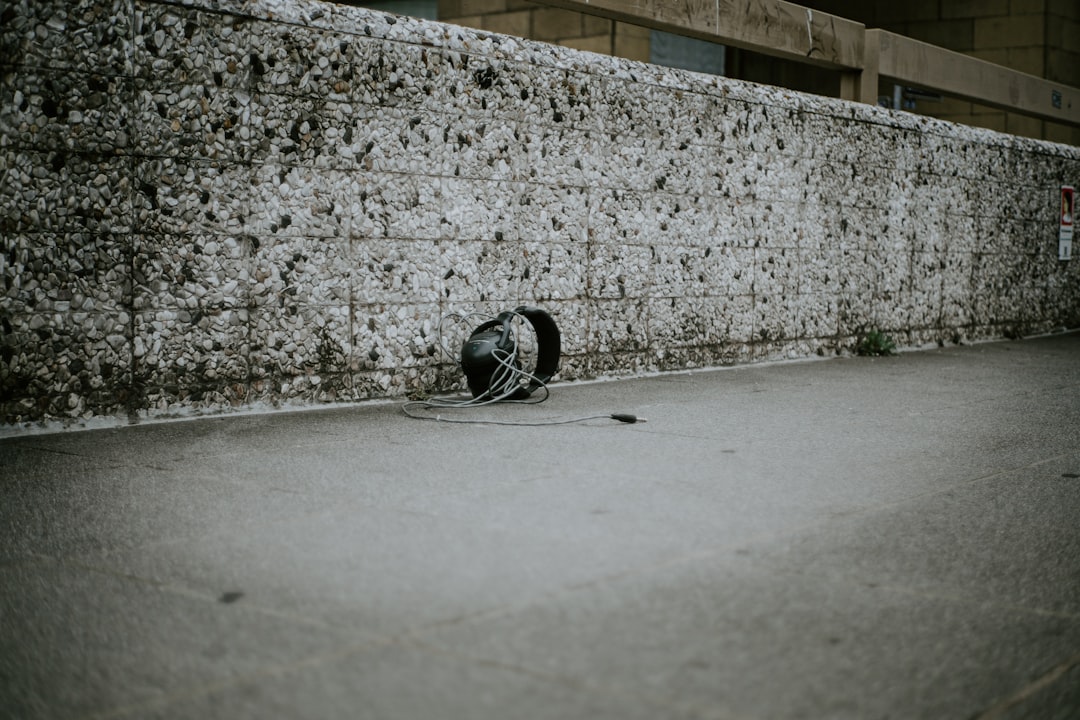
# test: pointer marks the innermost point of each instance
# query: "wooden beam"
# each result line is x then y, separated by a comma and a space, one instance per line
915, 63
771, 27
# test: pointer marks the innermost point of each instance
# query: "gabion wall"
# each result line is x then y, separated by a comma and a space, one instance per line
218, 203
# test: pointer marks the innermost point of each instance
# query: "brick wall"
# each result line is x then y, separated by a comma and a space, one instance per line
526, 19
553, 25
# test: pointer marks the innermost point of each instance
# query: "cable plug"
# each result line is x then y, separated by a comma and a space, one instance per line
626, 418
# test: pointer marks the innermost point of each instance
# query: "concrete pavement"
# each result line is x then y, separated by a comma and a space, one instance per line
848, 538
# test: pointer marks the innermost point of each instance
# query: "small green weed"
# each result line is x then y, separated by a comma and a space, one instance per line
876, 343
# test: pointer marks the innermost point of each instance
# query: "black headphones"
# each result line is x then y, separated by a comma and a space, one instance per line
489, 356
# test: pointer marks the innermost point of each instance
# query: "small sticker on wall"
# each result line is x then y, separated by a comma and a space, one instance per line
1065, 227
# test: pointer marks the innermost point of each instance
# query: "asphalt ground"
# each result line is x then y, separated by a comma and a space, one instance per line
893, 537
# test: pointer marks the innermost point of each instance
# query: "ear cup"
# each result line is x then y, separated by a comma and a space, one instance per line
485, 372
550, 345
489, 355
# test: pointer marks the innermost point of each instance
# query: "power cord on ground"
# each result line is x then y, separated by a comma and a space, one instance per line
410, 409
